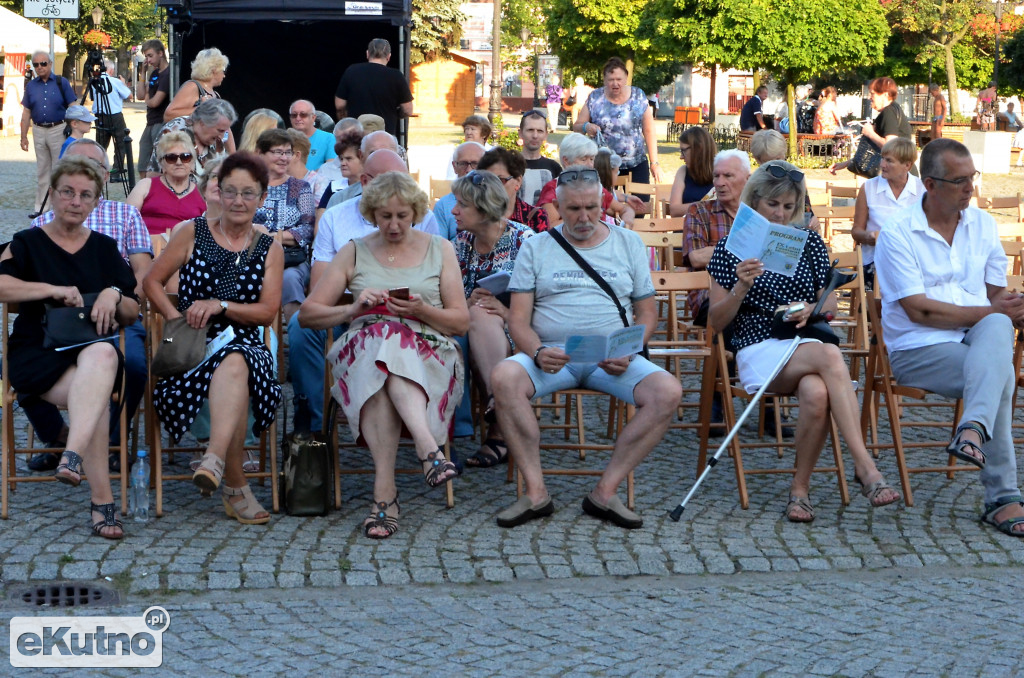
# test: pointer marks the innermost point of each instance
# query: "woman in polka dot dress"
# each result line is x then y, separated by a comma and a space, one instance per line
230, 275
745, 295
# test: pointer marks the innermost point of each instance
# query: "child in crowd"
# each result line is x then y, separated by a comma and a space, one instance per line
79, 123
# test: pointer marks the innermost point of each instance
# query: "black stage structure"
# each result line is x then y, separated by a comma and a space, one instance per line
282, 50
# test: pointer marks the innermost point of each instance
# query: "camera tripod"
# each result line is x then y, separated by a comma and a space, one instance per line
123, 170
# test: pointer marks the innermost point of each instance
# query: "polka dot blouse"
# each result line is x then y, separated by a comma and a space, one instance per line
753, 321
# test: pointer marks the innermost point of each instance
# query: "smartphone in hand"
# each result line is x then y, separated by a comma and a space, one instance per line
401, 293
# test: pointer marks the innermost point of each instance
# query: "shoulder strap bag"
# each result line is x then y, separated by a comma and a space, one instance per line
601, 282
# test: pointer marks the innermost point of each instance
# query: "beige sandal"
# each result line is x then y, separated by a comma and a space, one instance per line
245, 511
207, 476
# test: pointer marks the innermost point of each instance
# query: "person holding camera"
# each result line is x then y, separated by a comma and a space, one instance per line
108, 93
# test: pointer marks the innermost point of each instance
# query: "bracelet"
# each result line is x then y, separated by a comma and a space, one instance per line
536, 354
732, 292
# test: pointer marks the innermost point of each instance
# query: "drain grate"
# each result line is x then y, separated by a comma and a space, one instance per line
65, 594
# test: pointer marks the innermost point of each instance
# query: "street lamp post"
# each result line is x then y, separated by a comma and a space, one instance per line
494, 107
97, 16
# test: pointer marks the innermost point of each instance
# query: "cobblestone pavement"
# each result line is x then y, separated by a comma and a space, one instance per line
726, 591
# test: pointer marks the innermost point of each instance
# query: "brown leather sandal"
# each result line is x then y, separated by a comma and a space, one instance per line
246, 511
207, 476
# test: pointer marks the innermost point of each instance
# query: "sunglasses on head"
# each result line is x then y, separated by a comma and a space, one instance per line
587, 175
534, 111
780, 172
178, 157
476, 177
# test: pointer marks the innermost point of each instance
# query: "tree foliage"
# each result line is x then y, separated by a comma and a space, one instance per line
1011, 72
436, 28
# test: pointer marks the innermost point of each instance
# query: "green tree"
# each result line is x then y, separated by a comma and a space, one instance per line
436, 28
1011, 73
939, 26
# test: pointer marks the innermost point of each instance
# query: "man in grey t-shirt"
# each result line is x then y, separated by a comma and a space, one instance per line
553, 298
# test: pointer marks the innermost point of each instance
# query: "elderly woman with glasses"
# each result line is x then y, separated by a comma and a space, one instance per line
745, 295
510, 167
487, 243
65, 264
287, 209
229, 277
172, 197
577, 149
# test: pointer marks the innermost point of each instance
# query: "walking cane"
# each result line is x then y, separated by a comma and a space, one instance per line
837, 279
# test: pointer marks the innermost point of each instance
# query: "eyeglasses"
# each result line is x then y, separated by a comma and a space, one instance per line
279, 153
961, 180
69, 194
780, 172
504, 180
229, 194
300, 115
40, 64
465, 164
585, 175
178, 157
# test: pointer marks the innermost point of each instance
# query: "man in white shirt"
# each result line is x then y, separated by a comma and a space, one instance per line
108, 107
306, 347
949, 321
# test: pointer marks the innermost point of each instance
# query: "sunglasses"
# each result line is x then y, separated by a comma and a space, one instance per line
781, 172
586, 175
40, 64
299, 115
178, 157
534, 111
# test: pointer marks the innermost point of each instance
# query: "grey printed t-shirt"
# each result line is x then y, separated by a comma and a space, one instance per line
566, 300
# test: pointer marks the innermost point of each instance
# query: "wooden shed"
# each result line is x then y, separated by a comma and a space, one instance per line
443, 90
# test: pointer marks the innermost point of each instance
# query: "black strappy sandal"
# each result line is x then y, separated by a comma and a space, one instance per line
70, 472
379, 518
956, 446
439, 466
109, 520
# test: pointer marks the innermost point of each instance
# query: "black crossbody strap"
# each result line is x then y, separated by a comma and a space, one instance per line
589, 270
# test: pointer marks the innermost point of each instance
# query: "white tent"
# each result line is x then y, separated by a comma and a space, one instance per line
18, 35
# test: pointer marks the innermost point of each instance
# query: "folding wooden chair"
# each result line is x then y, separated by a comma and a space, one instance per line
10, 477
730, 390
834, 190
881, 385
1014, 250
835, 221
438, 189
267, 446
1009, 203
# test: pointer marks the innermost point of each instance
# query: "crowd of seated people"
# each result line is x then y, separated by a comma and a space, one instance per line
355, 246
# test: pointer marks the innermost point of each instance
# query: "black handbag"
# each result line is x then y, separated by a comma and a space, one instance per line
867, 159
181, 348
306, 475
71, 325
294, 256
819, 330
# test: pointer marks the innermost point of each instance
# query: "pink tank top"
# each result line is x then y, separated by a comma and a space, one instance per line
162, 210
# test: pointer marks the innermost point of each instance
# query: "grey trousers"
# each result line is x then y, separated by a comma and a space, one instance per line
980, 370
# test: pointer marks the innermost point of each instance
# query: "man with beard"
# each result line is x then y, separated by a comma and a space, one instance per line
553, 298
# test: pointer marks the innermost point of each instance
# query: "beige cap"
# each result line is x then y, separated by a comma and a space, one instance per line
371, 122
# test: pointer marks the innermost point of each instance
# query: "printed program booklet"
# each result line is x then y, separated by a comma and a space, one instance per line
778, 247
594, 348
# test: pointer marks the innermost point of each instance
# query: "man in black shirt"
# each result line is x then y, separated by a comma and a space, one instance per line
158, 96
533, 132
750, 116
374, 88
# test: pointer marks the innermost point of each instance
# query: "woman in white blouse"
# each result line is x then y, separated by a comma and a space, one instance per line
882, 197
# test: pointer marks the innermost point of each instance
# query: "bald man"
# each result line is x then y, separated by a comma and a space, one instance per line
465, 159
338, 225
302, 114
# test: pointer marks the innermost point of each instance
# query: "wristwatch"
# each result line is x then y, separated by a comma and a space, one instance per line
120, 294
536, 354
224, 306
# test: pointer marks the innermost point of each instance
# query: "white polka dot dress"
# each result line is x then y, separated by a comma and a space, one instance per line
753, 321
211, 273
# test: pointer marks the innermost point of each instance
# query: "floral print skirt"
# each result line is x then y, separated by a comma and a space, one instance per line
376, 346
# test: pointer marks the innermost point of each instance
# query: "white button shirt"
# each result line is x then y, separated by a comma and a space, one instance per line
345, 222
883, 206
911, 258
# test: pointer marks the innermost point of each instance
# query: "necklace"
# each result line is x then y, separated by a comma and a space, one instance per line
171, 188
245, 246
391, 257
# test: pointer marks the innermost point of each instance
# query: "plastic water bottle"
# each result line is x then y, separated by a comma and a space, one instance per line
139, 491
